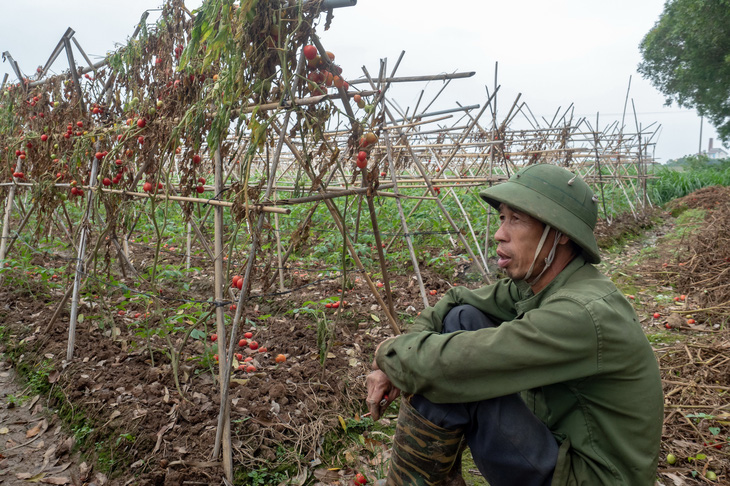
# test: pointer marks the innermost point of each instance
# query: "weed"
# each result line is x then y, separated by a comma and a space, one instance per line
14, 401
260, 477
662, 338
325, 331
81, 431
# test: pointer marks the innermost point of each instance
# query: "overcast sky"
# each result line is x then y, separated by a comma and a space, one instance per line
555, 53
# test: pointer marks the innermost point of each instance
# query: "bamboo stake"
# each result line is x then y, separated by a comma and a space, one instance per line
226, 357
188, 246
404, 225
20, 228
80, 265
381, 255
61, 305
224, 365
280, 260
6, 217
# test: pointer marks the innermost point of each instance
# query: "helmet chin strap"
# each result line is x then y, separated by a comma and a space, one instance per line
548, 260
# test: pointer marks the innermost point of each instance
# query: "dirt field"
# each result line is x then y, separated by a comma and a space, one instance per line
140, 427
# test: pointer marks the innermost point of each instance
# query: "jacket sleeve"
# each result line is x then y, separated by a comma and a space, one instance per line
555, 343
497, 300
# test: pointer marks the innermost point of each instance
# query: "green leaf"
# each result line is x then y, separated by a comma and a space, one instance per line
714, 430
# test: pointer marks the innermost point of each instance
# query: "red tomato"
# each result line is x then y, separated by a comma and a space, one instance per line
310, 52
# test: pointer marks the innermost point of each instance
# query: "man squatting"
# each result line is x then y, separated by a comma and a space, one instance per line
546, 375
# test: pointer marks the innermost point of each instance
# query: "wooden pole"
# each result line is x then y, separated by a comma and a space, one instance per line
213, 202
20, 228
188, 246
404, 224
6, 216
226, 357
280, 260
224, 366
80, 265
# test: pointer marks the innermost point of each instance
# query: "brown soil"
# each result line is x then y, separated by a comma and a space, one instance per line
133, 405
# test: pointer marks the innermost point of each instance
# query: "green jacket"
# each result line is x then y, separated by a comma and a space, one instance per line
575, 351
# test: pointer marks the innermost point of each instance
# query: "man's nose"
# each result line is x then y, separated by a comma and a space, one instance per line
500, 234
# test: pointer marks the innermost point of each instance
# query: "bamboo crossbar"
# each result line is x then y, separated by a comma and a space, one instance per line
408, 79
213, 202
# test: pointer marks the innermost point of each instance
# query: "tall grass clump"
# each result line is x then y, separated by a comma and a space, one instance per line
698, 172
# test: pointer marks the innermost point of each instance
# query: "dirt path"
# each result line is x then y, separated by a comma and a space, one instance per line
33, 448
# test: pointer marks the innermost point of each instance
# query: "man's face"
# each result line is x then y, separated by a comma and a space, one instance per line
518, 236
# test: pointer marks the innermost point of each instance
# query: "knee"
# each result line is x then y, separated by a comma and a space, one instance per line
466, 318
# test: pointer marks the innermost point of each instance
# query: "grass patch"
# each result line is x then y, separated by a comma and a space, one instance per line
664, 338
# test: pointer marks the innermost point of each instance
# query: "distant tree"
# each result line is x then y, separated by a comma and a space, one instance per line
686, 56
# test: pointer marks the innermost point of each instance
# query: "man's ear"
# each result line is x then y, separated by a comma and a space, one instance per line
564, 240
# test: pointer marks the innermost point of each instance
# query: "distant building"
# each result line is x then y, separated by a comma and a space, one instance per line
715, 153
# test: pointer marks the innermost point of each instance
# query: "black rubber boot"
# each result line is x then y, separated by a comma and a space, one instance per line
423, 454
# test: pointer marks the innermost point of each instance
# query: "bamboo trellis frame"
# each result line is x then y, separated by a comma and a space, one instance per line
419, 151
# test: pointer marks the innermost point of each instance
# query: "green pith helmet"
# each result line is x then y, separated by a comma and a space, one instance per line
554, 196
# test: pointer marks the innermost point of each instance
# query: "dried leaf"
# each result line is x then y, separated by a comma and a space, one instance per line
4, 430
84, 470
31, 478
375, 318
326, 475
41, 427
33, 402
59, 469
342, 423
48, 455
160, 433
55, 480
677, 480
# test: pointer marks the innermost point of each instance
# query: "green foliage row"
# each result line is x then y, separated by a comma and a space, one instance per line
698, 172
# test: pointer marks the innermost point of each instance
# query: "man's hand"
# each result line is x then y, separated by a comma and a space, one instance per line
380, 390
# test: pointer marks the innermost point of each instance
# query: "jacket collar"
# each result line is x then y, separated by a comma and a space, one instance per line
531, 301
